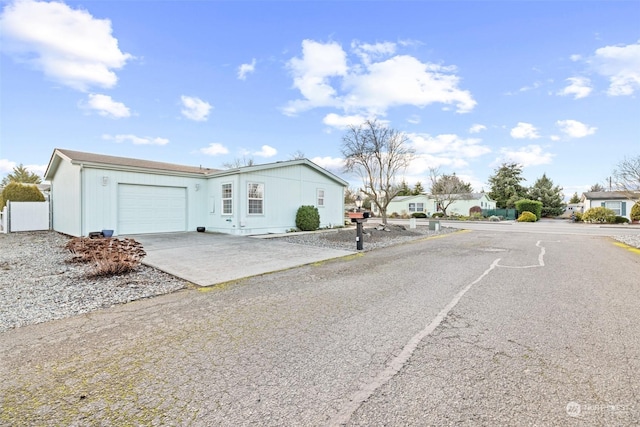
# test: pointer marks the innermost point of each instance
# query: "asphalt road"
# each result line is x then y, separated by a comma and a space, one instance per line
473, 328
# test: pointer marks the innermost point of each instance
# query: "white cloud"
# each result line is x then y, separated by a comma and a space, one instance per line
342, 122
7, 166
106, 106
245, 69
135, 140
449, 145
477, 128
329, 163
414, 119
195, 108
325, 78
575, 129
524, 131
69, 45
575, 57
531, 155
621, 65
580, 87
214, 149
367, 51
266, 151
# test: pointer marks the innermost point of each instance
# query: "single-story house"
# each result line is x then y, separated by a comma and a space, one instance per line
427, 203
92, 192
619, 202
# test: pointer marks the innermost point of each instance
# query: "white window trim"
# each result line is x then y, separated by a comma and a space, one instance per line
617, 210
318, 198
261, 184
223, 198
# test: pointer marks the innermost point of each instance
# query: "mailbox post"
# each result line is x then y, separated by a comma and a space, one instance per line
359, 218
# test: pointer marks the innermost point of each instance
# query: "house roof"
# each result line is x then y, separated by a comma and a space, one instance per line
273, 165
80, 157
608, 195
114, 162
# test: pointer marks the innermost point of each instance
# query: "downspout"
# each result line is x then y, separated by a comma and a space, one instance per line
81, 196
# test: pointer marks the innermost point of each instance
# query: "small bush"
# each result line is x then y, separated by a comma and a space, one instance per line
475, 216
620, 219
532, 206
527, 216
17, 192
108, 256
419, 215
494, 218
308, 218
599, 214
475, 210
393, 215
635, 212
437, 215
578, 216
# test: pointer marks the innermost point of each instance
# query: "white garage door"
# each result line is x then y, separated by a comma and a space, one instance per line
151, 209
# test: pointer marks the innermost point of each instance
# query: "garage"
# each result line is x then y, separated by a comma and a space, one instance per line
151, 209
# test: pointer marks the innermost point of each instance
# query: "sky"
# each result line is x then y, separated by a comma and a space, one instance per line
553, 86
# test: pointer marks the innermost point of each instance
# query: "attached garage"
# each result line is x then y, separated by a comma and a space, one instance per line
151, 209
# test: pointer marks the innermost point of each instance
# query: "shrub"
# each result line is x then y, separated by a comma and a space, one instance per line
527, 216
532, 206
475, 210
494, 218
599, 214
109, 256
17, 192
578, 216
475, 216
393, 215
437, 215
308, 218
419, 215
620, 219
635, 212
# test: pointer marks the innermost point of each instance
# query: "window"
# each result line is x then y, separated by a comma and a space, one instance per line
227, 199
412, 207
255, 196
320, 198
616, 207
419, 207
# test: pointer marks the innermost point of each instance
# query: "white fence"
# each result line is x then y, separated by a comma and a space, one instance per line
3, 220
25, 216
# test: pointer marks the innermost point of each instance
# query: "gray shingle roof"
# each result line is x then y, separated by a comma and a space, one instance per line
82, 157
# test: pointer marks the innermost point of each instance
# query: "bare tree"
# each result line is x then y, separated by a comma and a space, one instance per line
627, 176
446, 189
298, 155
238, 163
377, 154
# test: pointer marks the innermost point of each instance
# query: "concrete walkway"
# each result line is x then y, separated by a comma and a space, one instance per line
206, 259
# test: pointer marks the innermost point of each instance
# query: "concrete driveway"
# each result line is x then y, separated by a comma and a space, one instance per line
206, 259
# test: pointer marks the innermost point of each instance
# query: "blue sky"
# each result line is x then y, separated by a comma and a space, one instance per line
553, 86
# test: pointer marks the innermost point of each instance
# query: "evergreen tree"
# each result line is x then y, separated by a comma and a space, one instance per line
21, 174
417, 189
574, 199
551, 196
506, 189
404, 189
596, 188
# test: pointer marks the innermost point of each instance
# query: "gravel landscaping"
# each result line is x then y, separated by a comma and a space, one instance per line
39, 284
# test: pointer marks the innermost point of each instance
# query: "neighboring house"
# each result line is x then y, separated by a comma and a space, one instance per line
408, 205
92, 192
467, 201
619, 202
572, 208
427, 204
